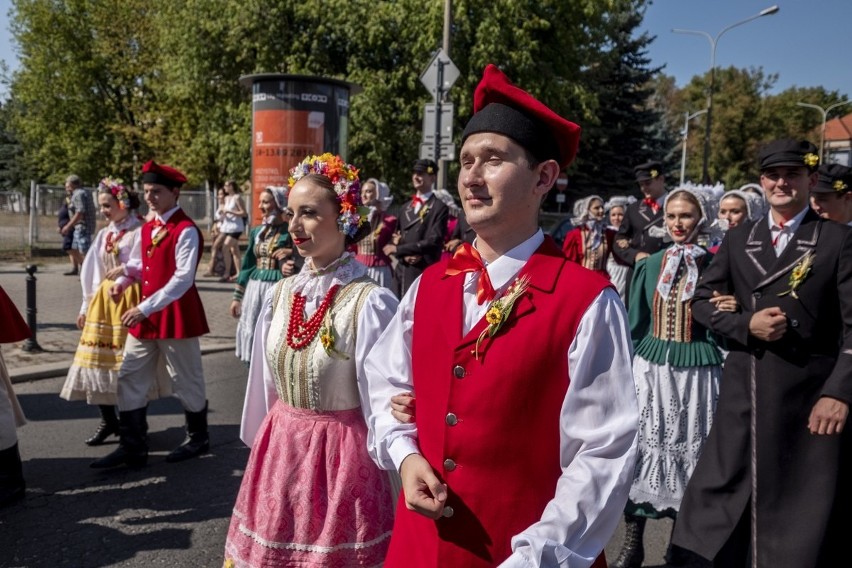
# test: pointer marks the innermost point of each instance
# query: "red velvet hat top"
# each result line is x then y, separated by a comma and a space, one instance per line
501, 107
168, 176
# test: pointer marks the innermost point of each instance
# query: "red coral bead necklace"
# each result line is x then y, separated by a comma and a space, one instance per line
300, 332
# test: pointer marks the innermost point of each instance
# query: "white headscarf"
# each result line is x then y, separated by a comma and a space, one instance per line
582, 217
383, 193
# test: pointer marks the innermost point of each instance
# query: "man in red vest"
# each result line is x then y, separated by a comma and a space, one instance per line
164, 327
524, 444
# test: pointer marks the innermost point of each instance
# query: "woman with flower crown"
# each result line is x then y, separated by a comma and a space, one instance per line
93, 376
589, 243
310, 495
269, 246
676, 370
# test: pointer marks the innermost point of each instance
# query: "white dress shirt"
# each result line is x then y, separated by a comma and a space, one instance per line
598, 423
186, 256
782, 232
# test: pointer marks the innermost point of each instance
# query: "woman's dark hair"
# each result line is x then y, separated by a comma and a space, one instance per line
133, 198
233, 183
325, 183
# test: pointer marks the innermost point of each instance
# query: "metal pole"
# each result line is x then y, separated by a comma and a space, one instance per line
448, 25
713, 41
33, 214
31, 344
439, 93
683, 153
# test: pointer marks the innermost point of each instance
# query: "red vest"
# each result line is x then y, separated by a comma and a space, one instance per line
490, 428
13, 327
184, 317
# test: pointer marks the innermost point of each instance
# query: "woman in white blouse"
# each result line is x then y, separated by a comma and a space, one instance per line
311, 495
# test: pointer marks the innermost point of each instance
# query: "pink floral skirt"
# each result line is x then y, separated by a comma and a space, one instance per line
311, 495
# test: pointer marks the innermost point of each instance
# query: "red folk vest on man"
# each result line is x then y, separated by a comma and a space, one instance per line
184, 317
490, 428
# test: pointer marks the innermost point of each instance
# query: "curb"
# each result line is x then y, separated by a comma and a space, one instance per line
51, 370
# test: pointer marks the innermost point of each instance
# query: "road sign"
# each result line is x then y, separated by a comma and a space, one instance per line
448, 152
450, 73
429, 115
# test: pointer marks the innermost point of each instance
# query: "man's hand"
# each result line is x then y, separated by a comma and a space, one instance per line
132, 317
412, 259
769, 324
424, 492
622, 244
452, 245
828, 416
641, 255
282, 253
81, 321
236, 308
389, 249
724, 303
115, 292
403, 407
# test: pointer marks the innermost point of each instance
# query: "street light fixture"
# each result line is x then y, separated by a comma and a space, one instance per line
686, 118
713, 40
824, 112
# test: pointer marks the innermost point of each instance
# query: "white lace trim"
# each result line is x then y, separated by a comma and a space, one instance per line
313, 283
312, 547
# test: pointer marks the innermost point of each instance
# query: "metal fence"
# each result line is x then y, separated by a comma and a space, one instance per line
31, 222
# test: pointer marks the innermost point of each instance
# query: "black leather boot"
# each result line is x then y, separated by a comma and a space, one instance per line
633, 550
107, 427
197, 440
12, 486
132, 448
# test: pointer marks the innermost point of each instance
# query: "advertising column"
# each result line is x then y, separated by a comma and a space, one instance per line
294, 116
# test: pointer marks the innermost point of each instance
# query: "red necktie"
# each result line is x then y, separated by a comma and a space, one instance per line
467, 259
778, 236
652, 203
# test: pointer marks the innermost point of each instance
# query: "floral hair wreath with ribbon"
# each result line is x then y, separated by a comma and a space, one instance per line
344, 181
116, 188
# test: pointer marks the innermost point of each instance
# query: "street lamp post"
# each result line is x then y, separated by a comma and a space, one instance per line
713, 41
686, 118
824, 112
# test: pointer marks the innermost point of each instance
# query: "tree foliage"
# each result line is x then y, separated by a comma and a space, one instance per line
104, 85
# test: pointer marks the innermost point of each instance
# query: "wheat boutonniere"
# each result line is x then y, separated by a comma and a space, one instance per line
423, 211
800, 272
328, 339
500, 309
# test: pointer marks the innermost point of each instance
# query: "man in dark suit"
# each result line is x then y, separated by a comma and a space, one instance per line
422, 227
773, 484
641, 232
832, 196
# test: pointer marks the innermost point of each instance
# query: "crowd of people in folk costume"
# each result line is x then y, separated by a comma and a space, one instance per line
481, 396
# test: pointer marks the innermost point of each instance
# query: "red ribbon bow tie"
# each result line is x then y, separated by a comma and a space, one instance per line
652, 203
417, 199
467, 259
157, 223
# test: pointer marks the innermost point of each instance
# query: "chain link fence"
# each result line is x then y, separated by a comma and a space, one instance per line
31, 222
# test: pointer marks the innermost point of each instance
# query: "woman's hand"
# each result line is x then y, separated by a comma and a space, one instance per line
81, 321
114, 273
724, 303
403, 407
282, 253
288, 268
236, 308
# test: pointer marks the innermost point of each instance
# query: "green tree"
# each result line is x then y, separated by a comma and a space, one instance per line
81, 85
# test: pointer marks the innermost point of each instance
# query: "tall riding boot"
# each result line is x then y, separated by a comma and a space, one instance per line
197, 440
107, 427
12, 486
633, 550
133, 441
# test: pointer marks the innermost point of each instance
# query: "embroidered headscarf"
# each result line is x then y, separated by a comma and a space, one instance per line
583, 218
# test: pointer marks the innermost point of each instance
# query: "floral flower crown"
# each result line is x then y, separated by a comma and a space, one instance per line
115, 187
345, 182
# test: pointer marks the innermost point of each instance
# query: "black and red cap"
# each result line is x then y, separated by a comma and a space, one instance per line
501, 107
168, 176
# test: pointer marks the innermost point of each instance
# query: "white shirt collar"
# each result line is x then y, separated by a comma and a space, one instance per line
505, 268
168, 214
790, 225
424, 196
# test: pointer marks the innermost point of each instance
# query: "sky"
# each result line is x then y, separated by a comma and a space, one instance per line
806, 42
